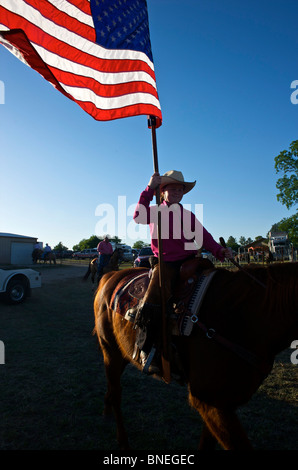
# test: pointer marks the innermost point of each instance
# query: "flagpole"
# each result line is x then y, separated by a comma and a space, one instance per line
165, 349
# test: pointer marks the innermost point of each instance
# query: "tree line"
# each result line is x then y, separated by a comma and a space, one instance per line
93, 241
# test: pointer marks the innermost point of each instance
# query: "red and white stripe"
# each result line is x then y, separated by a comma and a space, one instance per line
60, 44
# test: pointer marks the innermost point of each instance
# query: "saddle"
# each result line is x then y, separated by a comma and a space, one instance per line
195, 277
130, 290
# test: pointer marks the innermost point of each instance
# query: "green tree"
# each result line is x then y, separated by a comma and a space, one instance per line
287, 163
274, 228
60, 247
242, 241
232, 243
92, 242
86, 243
116, 240
139, 244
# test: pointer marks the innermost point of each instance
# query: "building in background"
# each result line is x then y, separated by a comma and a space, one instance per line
16, 249
280, 246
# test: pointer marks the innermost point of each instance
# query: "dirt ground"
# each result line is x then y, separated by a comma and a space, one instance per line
51, 273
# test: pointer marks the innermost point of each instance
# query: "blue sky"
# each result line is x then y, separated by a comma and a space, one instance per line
224, 71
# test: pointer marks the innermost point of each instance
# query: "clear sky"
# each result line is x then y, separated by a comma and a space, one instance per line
224, 70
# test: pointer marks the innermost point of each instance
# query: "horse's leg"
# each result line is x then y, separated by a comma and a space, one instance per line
85, 277
93, 273
224, 425
114, 366
207, 440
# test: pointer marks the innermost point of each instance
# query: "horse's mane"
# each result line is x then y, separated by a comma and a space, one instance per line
281, 280
282, 290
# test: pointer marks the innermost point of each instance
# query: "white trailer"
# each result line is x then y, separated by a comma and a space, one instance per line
16, 284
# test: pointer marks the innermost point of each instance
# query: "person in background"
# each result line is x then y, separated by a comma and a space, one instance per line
105, 251
47, 249
37, 246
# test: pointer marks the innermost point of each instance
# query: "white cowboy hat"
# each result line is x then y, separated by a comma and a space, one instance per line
174, 176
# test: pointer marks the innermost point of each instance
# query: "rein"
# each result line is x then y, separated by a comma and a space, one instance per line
243, 353
223, 244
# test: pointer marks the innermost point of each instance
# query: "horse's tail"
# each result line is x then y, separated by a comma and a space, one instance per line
87, 273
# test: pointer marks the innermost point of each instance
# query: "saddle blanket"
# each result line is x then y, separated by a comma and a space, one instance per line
187, 315
129, 291
132, 288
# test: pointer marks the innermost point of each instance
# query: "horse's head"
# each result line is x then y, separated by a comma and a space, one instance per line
119, 253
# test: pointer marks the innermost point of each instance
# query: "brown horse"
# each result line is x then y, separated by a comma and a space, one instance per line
231, 349
113, 265
50, 257
37, 255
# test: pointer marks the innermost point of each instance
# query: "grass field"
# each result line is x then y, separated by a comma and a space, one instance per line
53, 384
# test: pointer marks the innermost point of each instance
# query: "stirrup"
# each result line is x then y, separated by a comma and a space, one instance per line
147, 366
131, 314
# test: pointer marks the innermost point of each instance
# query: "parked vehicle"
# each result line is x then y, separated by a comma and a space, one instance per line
16, 284
127, 256
86, 254
63, 254
142, 260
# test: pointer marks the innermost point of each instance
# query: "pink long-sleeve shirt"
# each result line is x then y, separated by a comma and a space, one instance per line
179, 229
104, 248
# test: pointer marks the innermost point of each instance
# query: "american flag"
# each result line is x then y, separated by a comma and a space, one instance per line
97, 52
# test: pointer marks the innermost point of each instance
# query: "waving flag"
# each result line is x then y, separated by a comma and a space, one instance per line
97, 52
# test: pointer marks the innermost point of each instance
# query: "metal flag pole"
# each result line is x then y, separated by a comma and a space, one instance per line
165, 347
